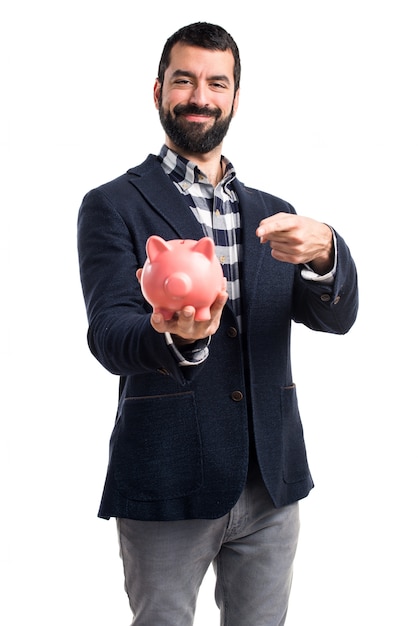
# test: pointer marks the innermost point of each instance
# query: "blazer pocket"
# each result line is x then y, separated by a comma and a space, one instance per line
157, 453
295, 463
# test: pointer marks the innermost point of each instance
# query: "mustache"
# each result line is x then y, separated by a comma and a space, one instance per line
192, 109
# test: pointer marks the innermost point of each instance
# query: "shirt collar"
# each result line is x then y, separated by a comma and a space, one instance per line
186, 173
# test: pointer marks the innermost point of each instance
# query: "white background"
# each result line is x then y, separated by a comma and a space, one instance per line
328, 121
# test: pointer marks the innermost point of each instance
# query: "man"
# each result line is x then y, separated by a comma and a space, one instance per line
207, 457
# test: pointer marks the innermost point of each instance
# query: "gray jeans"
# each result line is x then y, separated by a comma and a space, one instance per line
252, 551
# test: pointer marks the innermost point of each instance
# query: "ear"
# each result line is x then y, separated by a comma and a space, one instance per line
236, 101
156, 245
157, 92
206, 247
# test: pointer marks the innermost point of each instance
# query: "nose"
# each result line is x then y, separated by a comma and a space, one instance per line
199, 95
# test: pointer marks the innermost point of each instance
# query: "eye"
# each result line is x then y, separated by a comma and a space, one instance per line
219, 85
182, 81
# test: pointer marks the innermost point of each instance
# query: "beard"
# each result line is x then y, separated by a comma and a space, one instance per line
192, 136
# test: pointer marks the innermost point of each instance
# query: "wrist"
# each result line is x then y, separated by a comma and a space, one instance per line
324, 262
181, 341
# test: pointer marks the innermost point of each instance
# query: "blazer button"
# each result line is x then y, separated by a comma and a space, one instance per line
237, 396
325, 297
232, 332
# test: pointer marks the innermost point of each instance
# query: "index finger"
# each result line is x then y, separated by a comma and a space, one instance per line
280, 222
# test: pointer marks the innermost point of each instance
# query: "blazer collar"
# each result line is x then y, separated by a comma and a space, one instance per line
157, 189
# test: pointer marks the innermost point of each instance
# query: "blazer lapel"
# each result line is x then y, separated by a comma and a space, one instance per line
253, 210
157, 189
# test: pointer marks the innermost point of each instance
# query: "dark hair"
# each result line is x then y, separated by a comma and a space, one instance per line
201, 35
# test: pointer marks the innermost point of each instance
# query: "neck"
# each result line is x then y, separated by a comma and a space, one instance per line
210, 163
216, 173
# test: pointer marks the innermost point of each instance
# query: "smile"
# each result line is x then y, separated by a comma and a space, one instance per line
196, 117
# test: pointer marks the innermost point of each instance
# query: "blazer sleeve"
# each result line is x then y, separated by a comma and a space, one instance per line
119, 334
329, 308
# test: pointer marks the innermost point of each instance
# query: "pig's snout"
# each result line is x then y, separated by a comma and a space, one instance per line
178, 285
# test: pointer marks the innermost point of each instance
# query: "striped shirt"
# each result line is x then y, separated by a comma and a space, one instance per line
217, 210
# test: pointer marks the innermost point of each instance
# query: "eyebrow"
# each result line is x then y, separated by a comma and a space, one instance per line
220, 77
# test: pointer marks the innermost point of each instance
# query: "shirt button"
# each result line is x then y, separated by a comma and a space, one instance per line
232, 332
237, 396
325, 297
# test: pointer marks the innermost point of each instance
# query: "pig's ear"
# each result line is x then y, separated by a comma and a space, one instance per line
205, 246
156, 245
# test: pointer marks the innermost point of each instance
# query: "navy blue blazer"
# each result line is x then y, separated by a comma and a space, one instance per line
180, 444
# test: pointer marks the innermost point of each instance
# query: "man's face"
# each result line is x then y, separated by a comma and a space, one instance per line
196, 102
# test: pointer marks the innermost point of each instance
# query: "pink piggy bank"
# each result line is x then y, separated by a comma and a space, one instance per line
181, 272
